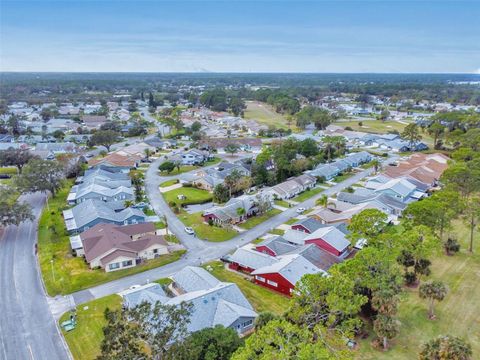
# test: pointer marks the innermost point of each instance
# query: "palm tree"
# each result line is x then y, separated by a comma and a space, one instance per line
148, 152
376, 165
165, 221
434, 291
446, 347
128, 203
322, 201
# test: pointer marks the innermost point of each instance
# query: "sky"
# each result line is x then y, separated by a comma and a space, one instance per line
240, 36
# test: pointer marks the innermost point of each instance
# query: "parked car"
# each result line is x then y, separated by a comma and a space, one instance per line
189, 230
300, 210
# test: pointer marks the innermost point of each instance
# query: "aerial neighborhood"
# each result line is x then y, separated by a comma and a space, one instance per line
194, 207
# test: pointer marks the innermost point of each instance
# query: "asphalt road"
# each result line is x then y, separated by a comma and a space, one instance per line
27, 327
199, 251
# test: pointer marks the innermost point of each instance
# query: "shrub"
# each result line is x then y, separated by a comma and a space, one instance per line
172, 204
210, 222
410, 278
451, 246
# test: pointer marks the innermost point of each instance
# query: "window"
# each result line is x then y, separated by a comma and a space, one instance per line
259, 278
127, 263
113, 266
273, 283
155, 251
247, 323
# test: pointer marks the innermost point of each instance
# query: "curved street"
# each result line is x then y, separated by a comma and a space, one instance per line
198, 251
27, 327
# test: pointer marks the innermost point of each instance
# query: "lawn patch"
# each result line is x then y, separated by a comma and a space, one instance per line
265, 114
192, 196
291, 221
277, 232
282, 203
85, 340
204, 231
307, 194
258, 219
169, 183
261, 298
9, 170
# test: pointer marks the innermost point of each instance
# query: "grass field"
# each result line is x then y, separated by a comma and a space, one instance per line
9, 170
71, 273
261, 298
84, 341
282, 203
307, 194
169, 183
457, 314
204, 231
193, 196
373, 126
264, 114
291, 221
255, 220
187, 168
343, 177
277, 232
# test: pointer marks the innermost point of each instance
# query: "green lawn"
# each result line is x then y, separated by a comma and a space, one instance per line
71, 273
277, 232
343, 177
10, 170
255, 220
457, 314
282, 203
307, 194
373, 126
85, 340
264, 114
261, 298
187, 168
169, 183
291, 221
203, 230
183, 169
193, 196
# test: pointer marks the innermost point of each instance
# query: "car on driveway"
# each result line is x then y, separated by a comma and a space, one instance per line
189, 230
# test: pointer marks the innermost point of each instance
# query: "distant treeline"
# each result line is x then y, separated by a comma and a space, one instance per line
437, 87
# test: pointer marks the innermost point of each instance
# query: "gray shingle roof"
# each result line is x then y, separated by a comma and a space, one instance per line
332, 236
192, 278
251, 258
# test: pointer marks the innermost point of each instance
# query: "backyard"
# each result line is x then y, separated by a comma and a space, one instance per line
169, 183
258, 219
203, 230
85, 340
62, 272
457, 314
192, 196
261, 298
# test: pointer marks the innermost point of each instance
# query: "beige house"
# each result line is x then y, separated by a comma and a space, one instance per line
113, 247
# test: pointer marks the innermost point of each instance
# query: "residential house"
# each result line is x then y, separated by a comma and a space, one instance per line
192, 157
92, 211
275, 246
238, 209
385, 202
307, 225
339, 212
246, 259
329, 239
94, 121
208, 178
293, 186
192, 278
211, 305
113, 247
85, 191
283, 274
124, 162
244, 144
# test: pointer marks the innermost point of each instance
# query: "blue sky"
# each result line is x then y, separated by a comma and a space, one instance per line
240, 36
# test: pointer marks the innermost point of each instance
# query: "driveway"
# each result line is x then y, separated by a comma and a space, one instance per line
27, 327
